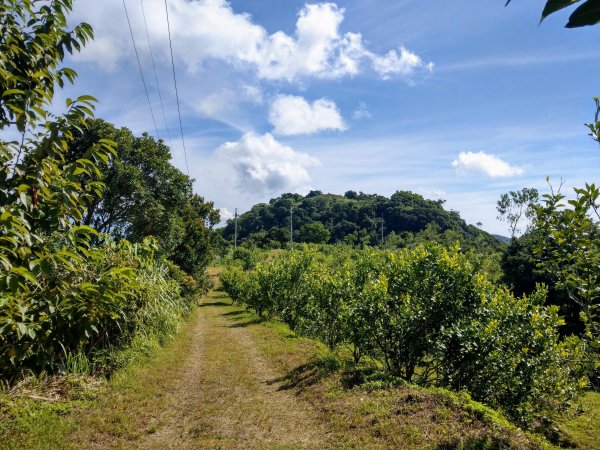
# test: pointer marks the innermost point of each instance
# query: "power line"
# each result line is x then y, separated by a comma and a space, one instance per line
176, 92
140, 67
155, 74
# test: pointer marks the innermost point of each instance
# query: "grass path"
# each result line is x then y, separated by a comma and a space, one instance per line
212, 388
225, 395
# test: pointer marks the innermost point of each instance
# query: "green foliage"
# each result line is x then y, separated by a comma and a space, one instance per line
569, 250
595, 125
355, 219
522, 272
315, 233
247, 256
429, 316
507, 353
65, 289
145, 195
34, 42
587, 13
42, 196
418, 295
514, 206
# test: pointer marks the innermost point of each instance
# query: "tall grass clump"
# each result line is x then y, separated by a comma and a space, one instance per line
162, 300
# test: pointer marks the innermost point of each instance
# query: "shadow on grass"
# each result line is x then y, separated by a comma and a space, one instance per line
233, 314
307, 374
247, 323
204, 305
218, 294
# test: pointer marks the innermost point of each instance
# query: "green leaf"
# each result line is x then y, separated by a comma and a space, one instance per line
21, 330
86, 98
586, 14
21, 271
12, 92
555, 5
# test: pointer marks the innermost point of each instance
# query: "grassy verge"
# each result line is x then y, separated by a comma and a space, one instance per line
583, 429
367, 410
57, 412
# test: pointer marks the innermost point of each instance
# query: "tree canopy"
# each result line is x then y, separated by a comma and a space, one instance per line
354, 218
146, 195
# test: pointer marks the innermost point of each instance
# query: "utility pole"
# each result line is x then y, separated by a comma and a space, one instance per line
381, 230
292, 227
235, 235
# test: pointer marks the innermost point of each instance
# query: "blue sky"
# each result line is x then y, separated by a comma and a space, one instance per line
459, 100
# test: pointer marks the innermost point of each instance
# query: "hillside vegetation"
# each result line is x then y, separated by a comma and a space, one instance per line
356, 219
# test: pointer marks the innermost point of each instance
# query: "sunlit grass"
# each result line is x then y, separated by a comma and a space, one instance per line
584, 428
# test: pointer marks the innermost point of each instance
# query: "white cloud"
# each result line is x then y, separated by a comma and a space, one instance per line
227, 104
361, 112
405, 63
207, 30
226, 214
291, 115
490, 165
266, 165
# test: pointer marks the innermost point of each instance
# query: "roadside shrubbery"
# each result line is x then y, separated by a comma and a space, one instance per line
426, 315
69, 296
112, 293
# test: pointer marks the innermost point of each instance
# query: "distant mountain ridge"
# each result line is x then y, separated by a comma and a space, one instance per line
354, 218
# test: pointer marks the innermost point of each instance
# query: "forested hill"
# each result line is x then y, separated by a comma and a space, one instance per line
354, 218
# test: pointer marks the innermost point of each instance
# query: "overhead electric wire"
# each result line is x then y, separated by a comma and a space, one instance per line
155, 74
141, 71
176, 91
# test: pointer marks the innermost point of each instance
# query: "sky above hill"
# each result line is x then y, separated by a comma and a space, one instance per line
460, 100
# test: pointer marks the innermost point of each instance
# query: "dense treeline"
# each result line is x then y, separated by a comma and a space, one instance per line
428, 315
146, 195
356, 219
74, 293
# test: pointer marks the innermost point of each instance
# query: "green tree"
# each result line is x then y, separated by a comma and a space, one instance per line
315, 233
569, 251
146, 195
194, 251
56, 290
515, 206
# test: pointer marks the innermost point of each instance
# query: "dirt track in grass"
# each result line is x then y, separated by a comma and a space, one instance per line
225, 398
211, 388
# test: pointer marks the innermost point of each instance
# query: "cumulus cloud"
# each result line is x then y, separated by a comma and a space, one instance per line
490, 165
266, 165
210, 29
291, 115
